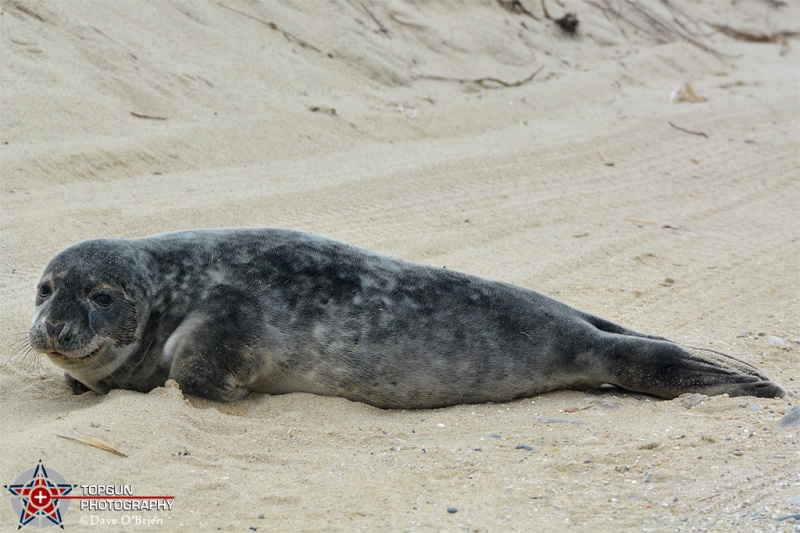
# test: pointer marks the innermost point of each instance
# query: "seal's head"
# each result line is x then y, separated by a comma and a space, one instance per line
91, 307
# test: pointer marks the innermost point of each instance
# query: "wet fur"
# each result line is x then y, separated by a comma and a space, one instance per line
226, 312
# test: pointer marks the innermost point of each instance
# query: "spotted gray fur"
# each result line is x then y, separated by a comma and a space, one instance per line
227, 312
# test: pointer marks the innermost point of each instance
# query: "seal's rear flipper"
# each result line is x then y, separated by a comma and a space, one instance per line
665, 369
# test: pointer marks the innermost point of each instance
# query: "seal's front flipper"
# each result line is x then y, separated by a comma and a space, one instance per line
665, 369
211, 352
76, 386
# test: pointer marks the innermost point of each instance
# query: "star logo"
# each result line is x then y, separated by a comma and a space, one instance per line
37, 495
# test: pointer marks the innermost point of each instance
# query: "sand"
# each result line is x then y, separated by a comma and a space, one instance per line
463, 134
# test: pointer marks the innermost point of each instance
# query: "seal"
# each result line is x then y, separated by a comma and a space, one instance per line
229, 311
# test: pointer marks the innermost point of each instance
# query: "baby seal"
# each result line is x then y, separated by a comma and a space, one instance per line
230, 311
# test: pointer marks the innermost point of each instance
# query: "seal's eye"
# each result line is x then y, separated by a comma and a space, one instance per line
45, 290
102, 300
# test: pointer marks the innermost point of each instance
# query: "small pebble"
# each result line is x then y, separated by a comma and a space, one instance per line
588, 461
478, 449
791, 419
606, 404
524, 447
261, 516
690, 400
452, 510
777, 341
495, 436
551, 420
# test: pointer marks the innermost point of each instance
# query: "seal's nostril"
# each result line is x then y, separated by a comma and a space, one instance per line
54, 330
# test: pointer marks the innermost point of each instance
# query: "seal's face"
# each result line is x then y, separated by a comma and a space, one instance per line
88, 313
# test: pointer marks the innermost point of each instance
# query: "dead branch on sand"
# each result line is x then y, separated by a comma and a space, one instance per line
750, 37
488, 82
660, 28
271, 25
700, 133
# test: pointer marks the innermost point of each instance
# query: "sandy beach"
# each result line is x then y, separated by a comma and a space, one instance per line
645, 169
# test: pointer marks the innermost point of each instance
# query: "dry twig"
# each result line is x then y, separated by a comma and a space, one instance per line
700, 133
148, 117
750, 37
271, 25
95, 443
488, 82
515, 6
381, 28
659, 28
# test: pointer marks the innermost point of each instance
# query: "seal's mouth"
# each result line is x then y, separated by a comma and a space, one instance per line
71, 359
